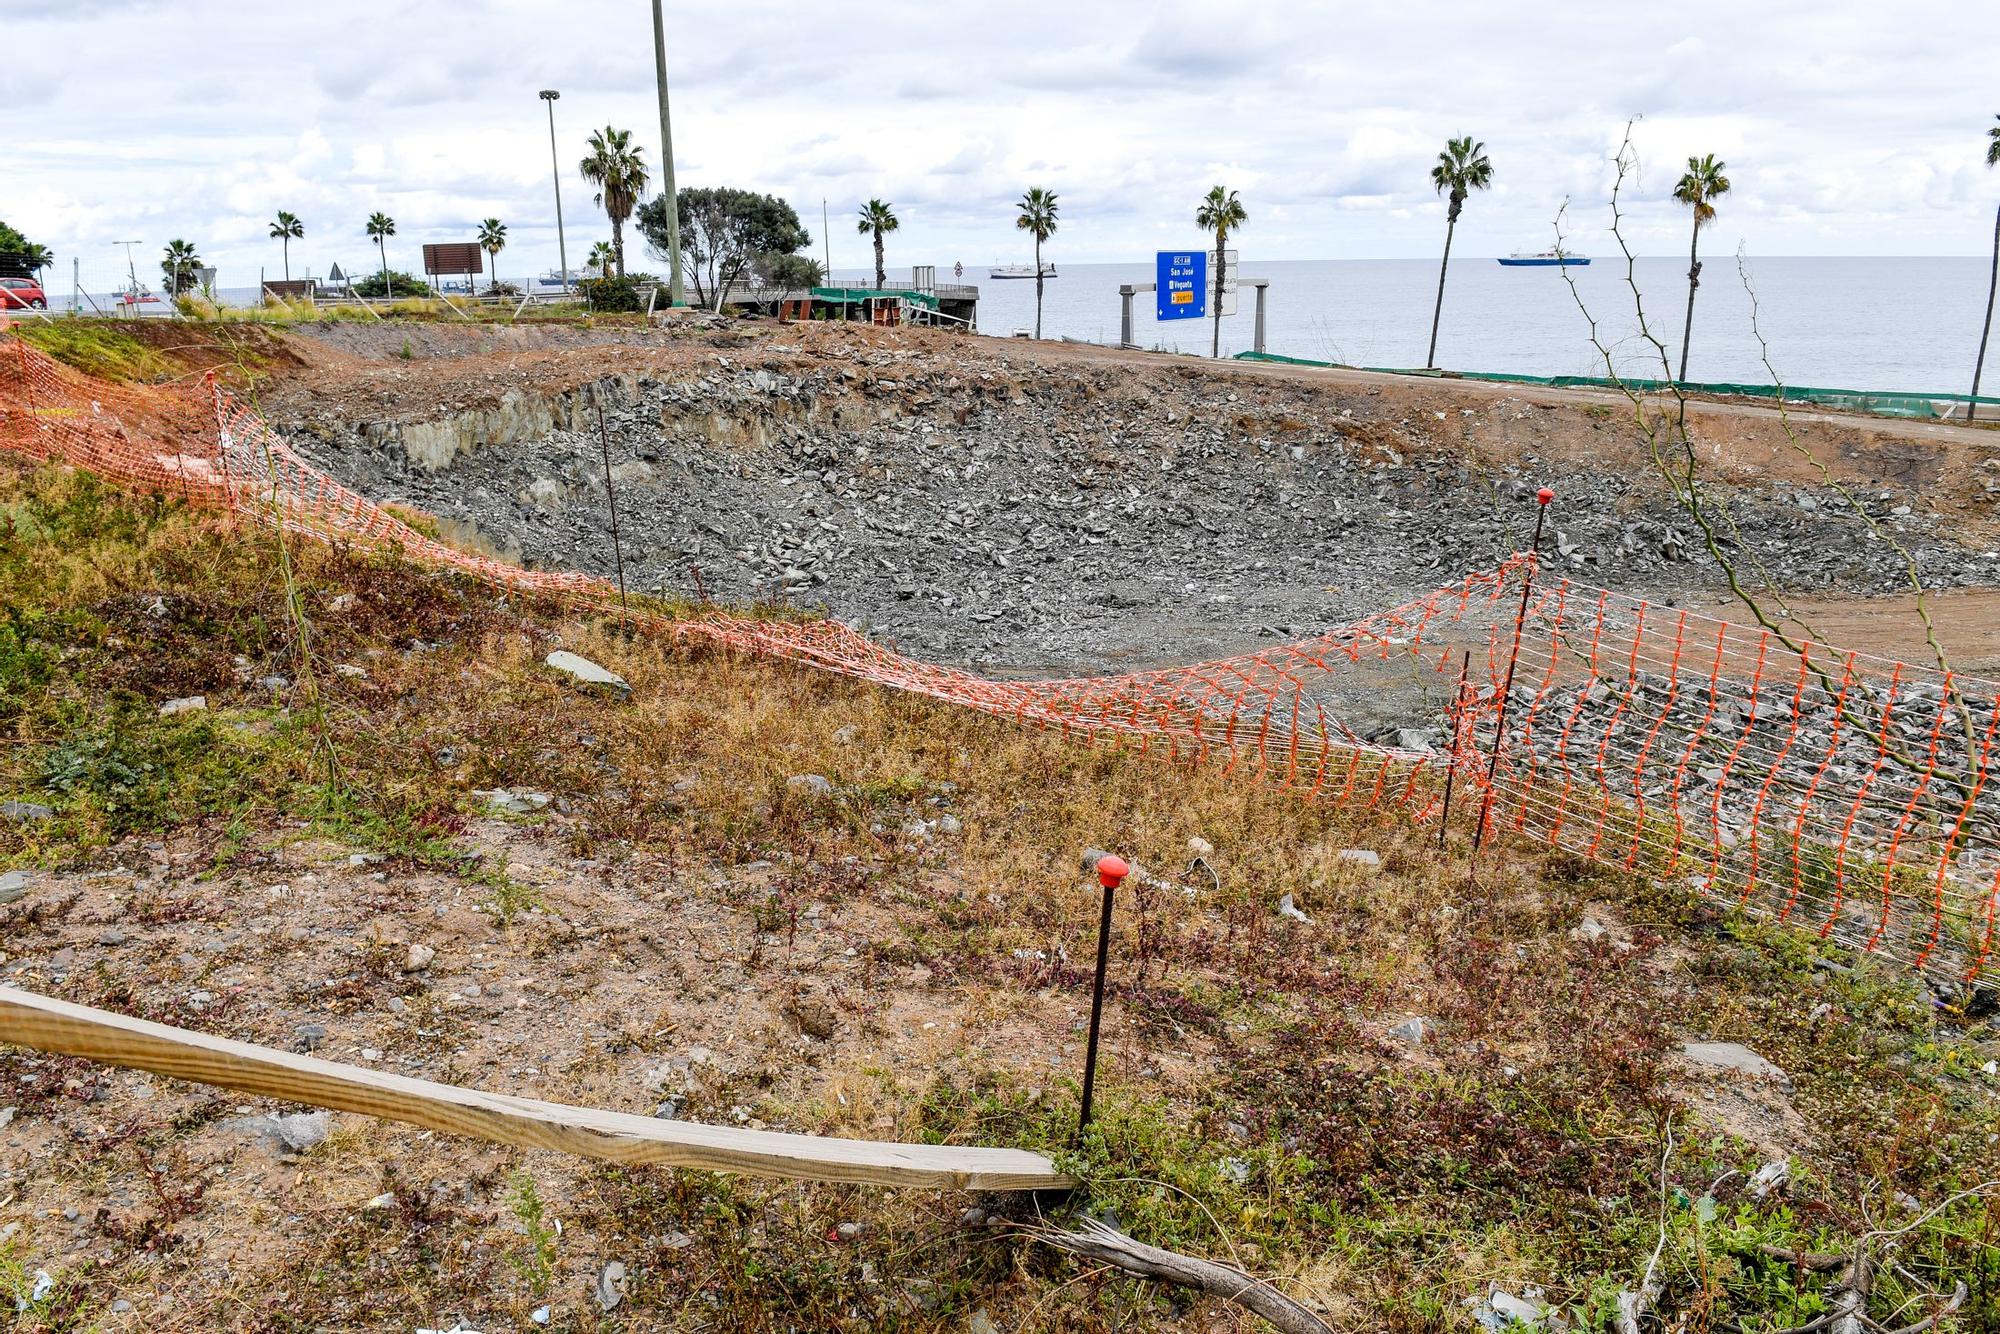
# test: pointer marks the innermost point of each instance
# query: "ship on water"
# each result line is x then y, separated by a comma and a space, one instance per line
1020, 271
1543, 259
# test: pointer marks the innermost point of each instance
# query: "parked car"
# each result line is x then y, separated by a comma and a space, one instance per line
22, 294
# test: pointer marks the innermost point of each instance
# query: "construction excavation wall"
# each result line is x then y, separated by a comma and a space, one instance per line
1063, 511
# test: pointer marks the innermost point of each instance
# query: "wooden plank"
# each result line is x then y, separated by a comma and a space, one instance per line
51, 1025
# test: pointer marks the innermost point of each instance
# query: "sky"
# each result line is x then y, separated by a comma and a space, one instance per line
1848, 128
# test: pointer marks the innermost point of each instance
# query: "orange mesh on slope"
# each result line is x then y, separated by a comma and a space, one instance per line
1844, 792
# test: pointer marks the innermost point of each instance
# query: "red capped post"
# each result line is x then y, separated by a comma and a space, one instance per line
1111, 872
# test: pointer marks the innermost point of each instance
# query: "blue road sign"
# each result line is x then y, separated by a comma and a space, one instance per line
1181, 284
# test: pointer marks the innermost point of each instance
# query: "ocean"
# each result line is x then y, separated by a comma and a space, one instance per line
1882, 324
1842, 323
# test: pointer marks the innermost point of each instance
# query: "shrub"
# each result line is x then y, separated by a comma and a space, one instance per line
613, 294
399, 284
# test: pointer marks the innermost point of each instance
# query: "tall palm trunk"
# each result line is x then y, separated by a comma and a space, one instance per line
1694, 281
286, 245
1993, 280
1437, 311
618, 243
382, 245
881, 275
1215, 293
1038, 286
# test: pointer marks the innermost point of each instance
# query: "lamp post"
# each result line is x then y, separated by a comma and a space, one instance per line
675, 294
550, 95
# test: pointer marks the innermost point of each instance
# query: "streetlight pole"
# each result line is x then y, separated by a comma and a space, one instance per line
673, 209
550, 95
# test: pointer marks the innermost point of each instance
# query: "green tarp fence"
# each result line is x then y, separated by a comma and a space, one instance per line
1887, 404
854, 296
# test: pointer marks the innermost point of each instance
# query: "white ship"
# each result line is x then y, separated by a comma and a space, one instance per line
1020, 271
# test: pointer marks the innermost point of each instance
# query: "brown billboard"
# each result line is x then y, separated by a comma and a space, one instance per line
454, 257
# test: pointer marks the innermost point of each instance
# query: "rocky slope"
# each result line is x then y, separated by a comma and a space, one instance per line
978, 503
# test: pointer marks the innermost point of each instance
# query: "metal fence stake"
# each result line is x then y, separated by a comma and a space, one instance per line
611, 495
1457, 740
1111, 871
1542, 499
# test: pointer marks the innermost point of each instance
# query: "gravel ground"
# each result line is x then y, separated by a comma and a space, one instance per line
1024, 512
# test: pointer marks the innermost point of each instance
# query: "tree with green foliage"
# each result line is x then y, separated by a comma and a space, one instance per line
618, 170
285, 230
878, 218
602, 256
1699, 187
1992, 279
37, 258
33, 257
11, 241
380, 228
179, 266
1035, 214
1220, 212
725, 233
791, 271
1460, 169
391, 286
493, 239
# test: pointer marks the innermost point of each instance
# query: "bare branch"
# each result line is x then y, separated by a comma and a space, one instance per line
1098, 1241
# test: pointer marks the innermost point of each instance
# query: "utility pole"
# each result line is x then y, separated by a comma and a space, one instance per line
550, 95
673, 210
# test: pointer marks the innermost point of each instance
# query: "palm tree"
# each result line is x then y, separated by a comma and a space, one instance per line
619, 173
878, 218
1038, 219
380, 227
1460, 169
1992, 157
178, 266
1702, 183
493, 240
602, 255
284, 230
1220, 212
37, 257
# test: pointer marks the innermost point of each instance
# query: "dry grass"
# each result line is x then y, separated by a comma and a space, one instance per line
686, 894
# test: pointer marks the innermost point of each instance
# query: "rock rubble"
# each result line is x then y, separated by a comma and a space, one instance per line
1017, 514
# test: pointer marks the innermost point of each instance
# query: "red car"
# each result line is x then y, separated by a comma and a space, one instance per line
22, 294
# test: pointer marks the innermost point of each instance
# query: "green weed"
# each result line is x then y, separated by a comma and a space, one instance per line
537, 1263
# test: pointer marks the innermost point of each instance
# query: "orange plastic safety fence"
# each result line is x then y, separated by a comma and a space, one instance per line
1845, 793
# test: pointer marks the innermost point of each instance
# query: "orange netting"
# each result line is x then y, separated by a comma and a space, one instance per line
1843, 793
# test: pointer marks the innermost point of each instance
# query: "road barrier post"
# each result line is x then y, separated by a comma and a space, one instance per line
1111, 872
